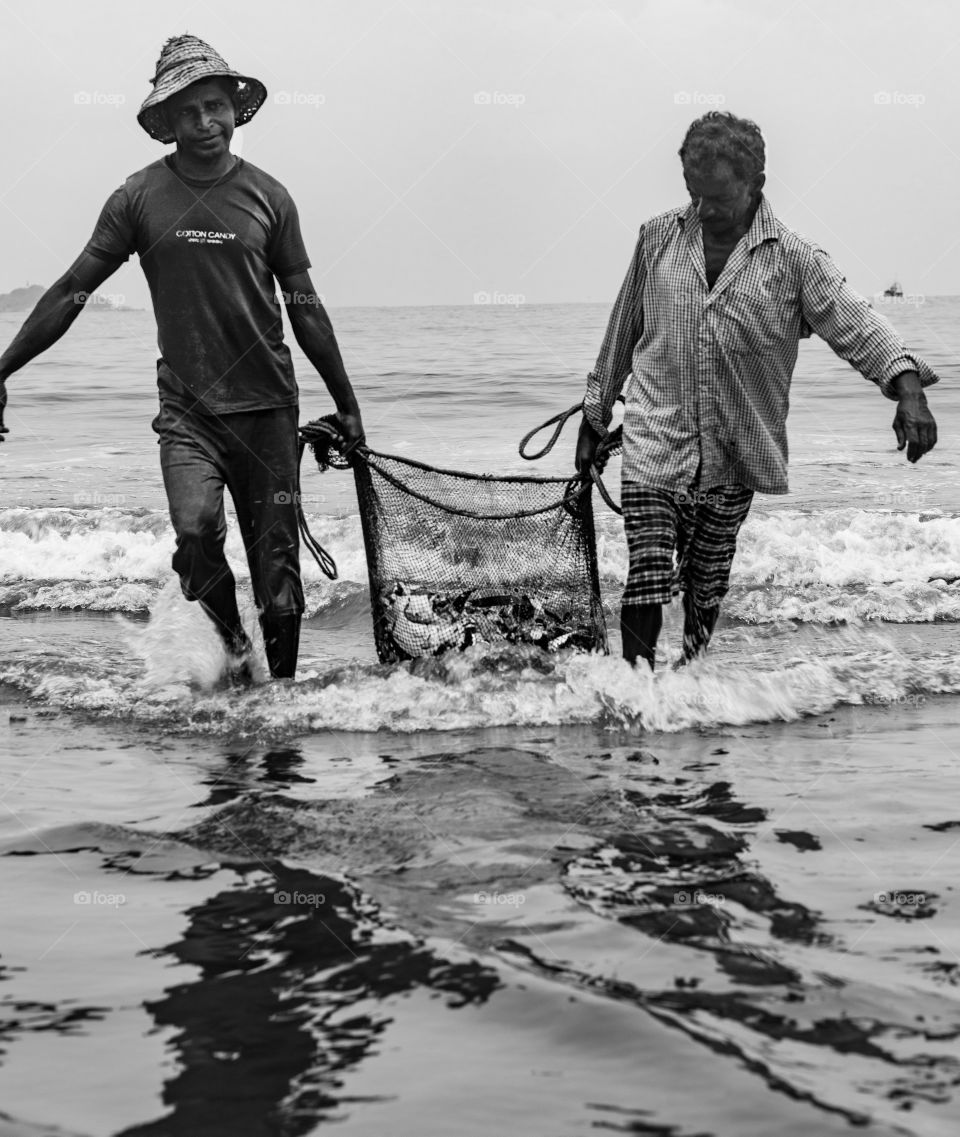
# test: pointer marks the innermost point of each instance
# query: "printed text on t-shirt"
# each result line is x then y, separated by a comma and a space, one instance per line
205, 236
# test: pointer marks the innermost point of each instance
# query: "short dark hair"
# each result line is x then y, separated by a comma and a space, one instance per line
719, 136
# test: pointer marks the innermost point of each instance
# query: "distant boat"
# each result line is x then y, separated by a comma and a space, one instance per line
894, 289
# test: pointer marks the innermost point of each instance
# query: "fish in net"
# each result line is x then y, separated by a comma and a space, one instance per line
456, 558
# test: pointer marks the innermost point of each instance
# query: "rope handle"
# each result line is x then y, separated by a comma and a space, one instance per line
605, 451
561, 420
602, 489
321, 435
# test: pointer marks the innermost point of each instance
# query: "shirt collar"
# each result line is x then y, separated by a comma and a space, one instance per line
762, 228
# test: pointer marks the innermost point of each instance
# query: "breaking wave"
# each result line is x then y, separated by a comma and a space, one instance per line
169, 671
832, 566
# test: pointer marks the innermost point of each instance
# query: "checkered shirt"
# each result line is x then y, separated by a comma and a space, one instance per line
708, 370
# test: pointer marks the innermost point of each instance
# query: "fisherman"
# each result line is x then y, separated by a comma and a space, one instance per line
214, 233
706, 326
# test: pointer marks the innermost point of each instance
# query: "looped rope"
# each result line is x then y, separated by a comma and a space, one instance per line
321, 435
560, 420
601, 486
605, 451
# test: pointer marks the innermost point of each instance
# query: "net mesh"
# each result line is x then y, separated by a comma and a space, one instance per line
457, 558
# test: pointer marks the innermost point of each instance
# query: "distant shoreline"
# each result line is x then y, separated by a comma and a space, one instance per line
102, 305
24, 299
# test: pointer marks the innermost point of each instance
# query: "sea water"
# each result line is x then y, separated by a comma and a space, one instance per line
557, 895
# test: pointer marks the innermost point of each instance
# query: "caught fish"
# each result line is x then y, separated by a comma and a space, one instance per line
426, 623
419, 625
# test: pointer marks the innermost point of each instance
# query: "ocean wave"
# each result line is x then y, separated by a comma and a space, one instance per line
114, 559
839, 548
332, 603
847, 547
899, 603
840, 565
171, 674
490, 687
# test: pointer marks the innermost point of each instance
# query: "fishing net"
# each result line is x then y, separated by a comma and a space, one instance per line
456, 558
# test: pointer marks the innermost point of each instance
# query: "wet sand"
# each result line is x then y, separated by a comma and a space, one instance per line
733, 931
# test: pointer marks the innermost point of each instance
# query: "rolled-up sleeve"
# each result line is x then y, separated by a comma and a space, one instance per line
854, 330
624, 329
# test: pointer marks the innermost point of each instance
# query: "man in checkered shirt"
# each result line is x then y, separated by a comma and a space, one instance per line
705, 334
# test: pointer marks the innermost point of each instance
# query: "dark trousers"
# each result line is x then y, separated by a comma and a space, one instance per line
255, 455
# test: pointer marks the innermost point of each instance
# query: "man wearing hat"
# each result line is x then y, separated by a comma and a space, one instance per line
214, 234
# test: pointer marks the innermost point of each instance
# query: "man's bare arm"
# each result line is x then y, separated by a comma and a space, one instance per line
314, 333
53, 314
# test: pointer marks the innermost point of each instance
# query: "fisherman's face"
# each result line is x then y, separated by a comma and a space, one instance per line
725, 202
202, 117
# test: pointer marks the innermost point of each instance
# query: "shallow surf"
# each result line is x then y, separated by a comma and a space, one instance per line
503, 891
551, 930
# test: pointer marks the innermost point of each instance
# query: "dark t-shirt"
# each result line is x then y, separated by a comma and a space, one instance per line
210, 252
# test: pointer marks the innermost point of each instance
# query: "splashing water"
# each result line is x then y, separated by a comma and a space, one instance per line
180, 649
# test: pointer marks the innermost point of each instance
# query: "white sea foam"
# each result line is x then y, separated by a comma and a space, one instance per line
174, 685
118, 560
847, 547
833, 547
179, 648
898, 603
824, 567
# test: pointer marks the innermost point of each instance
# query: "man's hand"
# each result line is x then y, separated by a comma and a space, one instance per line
587, 443
915, 427
913, 424
3, 406
351, 430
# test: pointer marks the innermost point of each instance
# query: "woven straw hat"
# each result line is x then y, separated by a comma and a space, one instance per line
183, 60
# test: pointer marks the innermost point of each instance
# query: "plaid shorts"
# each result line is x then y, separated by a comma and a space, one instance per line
700, 527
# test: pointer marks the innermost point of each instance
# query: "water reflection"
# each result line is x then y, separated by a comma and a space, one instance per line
292, 973
277, 768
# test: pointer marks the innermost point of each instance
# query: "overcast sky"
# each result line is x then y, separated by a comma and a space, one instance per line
441, 149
